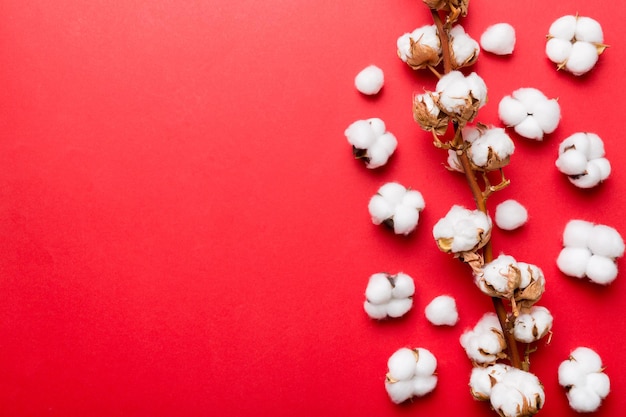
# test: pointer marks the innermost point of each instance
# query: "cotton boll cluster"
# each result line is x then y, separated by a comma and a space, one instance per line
420, 48
411, 374
462, 230
530, 113
510, 215
533, 325
590, 251
575, 43
498, 39
442, 311
485, 343
583, 378
397, 207
371, 142
490, 148
581, 158
369, 80
518, 393
389, 295
465, 50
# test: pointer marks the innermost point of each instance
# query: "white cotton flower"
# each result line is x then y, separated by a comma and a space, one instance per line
388, 295
581, 158
498, 39
442, 311
532, 326
397, 207
369, 80
484, 344
510, 215
460, 96
411, 373
575, 43
490, 148
462, 230
465, 50
517, 393
590, 251
530, 113
582, 375
371, 142
420, 48
499, 278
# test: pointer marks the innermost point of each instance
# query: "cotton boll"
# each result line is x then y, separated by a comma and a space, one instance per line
606, 241
510, 215
587, 359
577, 233
573, 261
572, 162
465, 50
369, 80
532, 326
360, 134
558, 50
401, 364
410, 374
404, 286
570, 374
582, 58
477, 87
379, 289
442, 311
399, 391
601, 270
498, 39
588, 30
483, 379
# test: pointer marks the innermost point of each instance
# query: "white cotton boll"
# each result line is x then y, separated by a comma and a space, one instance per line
606, 241
510, 215
360, 134
401, 364
573, 261
404, 286
405, 219
498, 39
427, 35
572, 162
392, 192
461, 229
426, 362
547, 113
442, 311
380, 209
511, 111
564, 27
398, 307
379, 289
369, 80
375, 311
530, 129
424, 385
601, 270
483, 379
582, 58
577, 233
399, 391
591, 177
506, 401
532, 326
517, 390
464, 48
583, 399
558, 50
496, 274
588, 30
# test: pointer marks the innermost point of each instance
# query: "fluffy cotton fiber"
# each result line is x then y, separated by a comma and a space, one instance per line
370, 80
498, 39
530, 113
397, 207
371, 142
510, 215
389, 295
411, 373
583, 377
442, 311
575, 43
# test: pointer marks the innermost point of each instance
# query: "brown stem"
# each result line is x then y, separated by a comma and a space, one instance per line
445, 41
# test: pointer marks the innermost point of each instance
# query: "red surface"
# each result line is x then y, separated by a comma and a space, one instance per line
184, 231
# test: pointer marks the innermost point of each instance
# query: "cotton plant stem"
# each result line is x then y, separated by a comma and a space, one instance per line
479, 197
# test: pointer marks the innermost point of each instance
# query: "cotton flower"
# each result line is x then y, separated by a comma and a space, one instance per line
499, 278
530, 113
465, 50
411, 373
517, 394
484, 344
582, 375
427, 113
442, 311
498, 39
420, 48
369, 80
532, 326
388, 295
574, 43
490, 148
397, 207
459, 96
462, 230
590, 250
371, 142
581, 158
510, 215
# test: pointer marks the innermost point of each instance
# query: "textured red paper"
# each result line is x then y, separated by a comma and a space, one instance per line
184, 231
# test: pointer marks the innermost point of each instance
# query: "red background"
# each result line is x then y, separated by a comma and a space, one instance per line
184, 230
